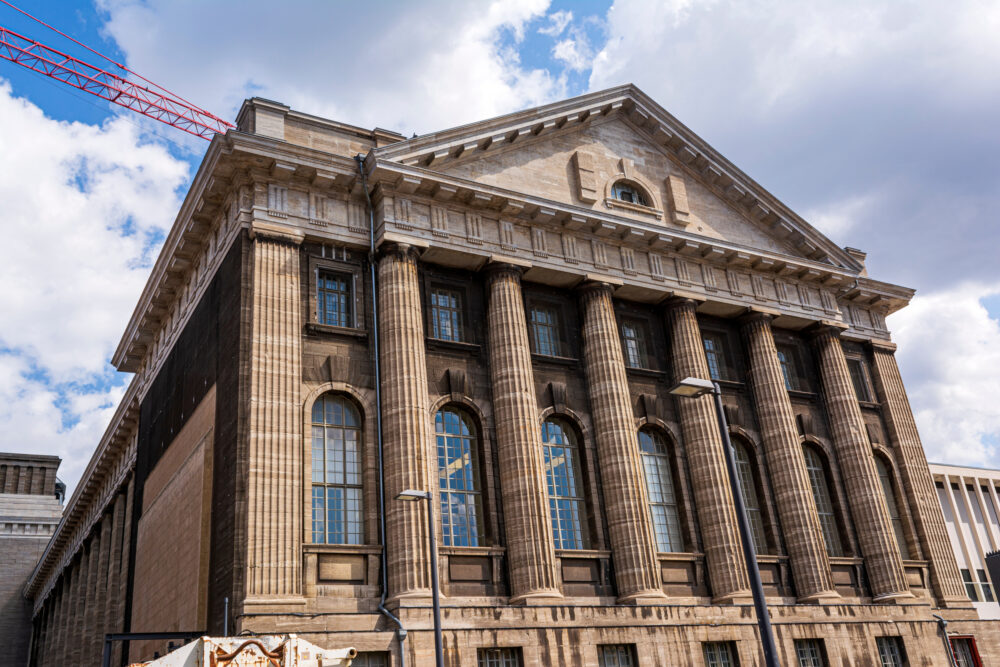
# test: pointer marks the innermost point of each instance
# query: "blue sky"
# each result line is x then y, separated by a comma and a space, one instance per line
874, 120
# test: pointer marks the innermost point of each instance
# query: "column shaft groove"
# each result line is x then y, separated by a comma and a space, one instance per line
631, 530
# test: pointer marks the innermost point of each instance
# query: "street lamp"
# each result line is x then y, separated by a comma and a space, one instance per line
413, 495
693, 388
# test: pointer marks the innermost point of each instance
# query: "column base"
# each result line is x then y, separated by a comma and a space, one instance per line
651, 596
823, 597
956, 602
738, 597
897, 597
537, 598
420, 598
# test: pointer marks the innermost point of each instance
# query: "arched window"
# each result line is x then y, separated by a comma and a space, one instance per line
660, 488
892, 502
746, 468
628, 191
458, 478
819, 478
565, 484
336, 471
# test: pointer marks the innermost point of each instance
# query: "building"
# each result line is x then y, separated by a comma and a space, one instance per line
542, 280
31, 501
971, 516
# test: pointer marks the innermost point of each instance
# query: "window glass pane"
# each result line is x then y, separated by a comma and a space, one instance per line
371, 659
824, 505
565, 485
715, 356
634, 338
499, 657
446, 314
746, 471
616, 655
891, 501
890, 651
859, 377
786, 372
719, 654
334, 296
336, 472
545, 331
964, 652
458, 478
660, 489
809, 653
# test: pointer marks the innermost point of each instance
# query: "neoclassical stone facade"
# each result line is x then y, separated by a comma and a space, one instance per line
496, 313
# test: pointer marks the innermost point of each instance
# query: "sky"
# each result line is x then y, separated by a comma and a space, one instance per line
873, 119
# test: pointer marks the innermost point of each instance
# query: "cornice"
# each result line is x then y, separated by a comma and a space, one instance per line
108, 468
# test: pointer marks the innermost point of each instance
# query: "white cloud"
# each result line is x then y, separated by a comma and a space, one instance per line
557, 23
949, 354
400, 65
83, 206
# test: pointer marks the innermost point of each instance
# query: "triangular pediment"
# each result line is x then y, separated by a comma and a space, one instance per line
573, 152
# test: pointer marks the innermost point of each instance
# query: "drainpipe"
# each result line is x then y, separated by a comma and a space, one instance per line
400, 630
943, 626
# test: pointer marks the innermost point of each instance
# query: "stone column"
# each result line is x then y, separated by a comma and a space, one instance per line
857, 467
405, 422
918, 485
800, 525
274, 485
706, 460
530, 546
633, 544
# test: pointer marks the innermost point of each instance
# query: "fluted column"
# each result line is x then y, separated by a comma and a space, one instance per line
405, 421
530, 547
789, 478
633, 544
706, 459
918, 485
274, 484
857, 467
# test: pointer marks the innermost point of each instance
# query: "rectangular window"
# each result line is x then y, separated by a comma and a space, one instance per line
634, 344
720, 654
860, 379
446, 314
965, 652
715, 355
371, 659
545, 331
985, 587
616, 655
971, 589
334, 298
499, 657
809, 653
890, 651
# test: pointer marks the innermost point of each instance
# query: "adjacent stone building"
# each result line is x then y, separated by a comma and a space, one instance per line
970, 501
496, 313
31, 500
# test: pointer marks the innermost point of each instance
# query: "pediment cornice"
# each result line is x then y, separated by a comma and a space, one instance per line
691, 152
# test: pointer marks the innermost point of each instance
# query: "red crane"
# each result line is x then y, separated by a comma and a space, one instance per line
159, 104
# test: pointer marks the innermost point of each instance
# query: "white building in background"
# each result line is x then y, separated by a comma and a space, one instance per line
970, 500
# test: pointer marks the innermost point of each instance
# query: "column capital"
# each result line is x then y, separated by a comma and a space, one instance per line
495, 268
268, 231
680, 303
397, 249
753, 316
594, 286
886, 346
824, 329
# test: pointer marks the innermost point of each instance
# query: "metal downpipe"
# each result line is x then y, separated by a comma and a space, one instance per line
400, 630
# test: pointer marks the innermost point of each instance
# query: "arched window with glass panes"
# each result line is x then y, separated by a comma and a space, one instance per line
564, 479
819, 478
336, 471
459, 477
661, 489
751, 489
892, 502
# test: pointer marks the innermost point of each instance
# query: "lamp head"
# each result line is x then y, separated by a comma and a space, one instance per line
413, 494
693, 387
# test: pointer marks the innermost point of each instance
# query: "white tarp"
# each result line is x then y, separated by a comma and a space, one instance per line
262, 651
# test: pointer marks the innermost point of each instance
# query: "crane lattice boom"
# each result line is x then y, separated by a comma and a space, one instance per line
165, 108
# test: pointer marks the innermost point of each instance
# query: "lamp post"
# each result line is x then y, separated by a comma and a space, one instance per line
693, 388
413, 495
